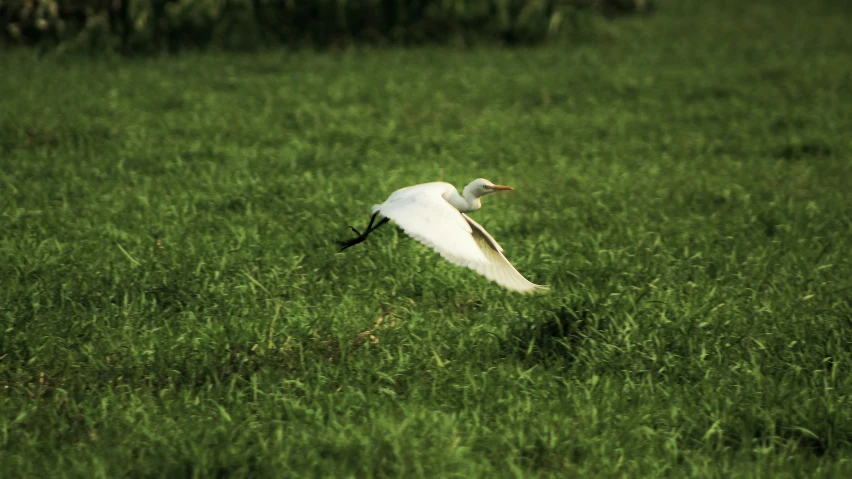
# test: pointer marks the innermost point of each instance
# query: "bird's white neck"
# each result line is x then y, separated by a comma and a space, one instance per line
465, 203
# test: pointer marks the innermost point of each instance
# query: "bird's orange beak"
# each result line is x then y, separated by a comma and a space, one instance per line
498, 187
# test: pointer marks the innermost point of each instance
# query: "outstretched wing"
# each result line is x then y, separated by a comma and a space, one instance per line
498, 268
423, 214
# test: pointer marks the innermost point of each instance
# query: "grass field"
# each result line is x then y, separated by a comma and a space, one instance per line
172, 303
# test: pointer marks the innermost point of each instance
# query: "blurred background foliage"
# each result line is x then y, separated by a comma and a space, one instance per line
151, 26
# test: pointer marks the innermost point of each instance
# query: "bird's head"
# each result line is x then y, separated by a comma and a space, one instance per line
481, 187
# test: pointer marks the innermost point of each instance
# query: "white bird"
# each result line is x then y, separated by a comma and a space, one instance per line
434, 214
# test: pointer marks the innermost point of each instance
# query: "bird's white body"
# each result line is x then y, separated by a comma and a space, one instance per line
434, 214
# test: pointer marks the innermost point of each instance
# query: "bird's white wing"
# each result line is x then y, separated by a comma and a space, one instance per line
423, 213
426, 216
498, 268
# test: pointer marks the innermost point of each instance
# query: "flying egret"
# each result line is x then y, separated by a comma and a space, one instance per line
434, 214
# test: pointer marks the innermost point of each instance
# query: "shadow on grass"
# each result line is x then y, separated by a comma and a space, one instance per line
804, 150
818, 439
558, 337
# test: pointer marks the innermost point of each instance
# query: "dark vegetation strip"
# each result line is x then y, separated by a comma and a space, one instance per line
146, 26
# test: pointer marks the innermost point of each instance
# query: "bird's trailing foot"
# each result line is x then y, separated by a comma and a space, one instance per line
352, 242
361, 236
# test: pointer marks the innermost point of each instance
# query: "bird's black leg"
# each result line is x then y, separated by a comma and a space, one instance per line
362, 236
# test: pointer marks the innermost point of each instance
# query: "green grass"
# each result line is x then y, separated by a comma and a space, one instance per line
172, 303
